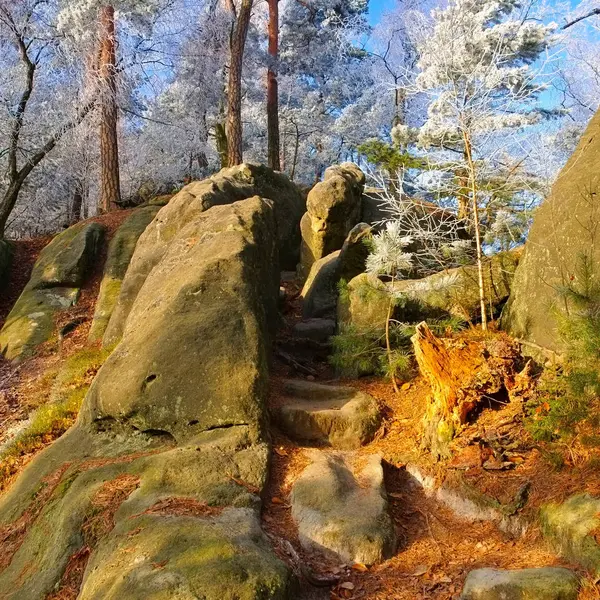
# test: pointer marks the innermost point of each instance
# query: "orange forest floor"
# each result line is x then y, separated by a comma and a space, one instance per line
437, 549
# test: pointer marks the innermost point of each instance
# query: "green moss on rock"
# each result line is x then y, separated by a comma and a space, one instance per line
217, 558
549, 583
120, 251
571, 527
449, 293
54, 285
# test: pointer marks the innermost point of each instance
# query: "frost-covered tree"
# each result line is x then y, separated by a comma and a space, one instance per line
480, 69
40, 99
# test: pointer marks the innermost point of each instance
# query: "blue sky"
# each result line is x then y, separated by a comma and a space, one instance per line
376, 7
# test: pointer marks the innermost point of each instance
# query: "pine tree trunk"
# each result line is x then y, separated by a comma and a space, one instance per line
234, 108
109, 146
7, 204
272, 90
221, 143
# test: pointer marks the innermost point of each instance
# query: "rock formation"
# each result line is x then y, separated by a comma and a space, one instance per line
57, 276
333, 209
320, 291
561, 237
157, 487
342, 509
454, 292
549, 583
120, 251
336, 416
229, 185
572, 528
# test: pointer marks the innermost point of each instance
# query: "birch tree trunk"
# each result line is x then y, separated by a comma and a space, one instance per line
476, 227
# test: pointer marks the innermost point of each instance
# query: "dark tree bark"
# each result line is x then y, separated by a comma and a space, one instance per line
234, 108
76, 206
272, 88
109, 145
593, 13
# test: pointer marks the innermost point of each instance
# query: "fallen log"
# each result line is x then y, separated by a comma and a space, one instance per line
462, 374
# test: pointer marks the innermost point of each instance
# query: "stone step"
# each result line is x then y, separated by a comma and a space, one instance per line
317, 330
337, 416
548, 583
342, 510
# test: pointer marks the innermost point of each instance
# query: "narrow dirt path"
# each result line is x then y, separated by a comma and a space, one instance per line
436, 549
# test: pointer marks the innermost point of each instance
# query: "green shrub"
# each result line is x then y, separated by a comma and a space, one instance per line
363, 352
567, 403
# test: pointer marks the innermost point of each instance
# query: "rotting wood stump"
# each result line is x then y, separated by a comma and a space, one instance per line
462, 373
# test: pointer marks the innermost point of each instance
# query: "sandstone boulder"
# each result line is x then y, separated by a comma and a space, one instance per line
320, 291
160, 200
227, 186
54, 285
561, 237
215, 282
338, 416
572, 526
549, 583
342, 510
454, 292
333, 209
316, 330
217, 558
120, 251
156, 490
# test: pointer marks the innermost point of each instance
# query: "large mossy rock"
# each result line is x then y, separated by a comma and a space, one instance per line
120, 251
57, 277
169, 449
215, 282
227, 186
320, 291
572, 528
333, 209
225, 558
560, 239
455, 292
549, 583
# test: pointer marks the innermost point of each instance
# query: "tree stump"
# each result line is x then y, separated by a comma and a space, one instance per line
462, 373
